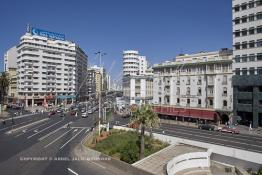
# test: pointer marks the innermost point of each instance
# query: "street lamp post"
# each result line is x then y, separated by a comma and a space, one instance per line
100, 54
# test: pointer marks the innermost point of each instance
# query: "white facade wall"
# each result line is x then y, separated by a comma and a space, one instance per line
10, 58
183, 82
242, 33
49, 67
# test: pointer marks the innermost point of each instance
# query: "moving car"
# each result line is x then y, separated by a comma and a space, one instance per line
90, 111
59, 110
62, 114
206, 127
84, 115
229, 129
73, 112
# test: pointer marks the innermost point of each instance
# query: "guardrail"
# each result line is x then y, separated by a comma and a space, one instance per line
187, 161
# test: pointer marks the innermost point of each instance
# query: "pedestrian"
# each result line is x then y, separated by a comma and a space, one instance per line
250, 126
68, 125
3, 122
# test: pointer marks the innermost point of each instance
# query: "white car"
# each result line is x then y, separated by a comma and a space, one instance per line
90, 111
84, 115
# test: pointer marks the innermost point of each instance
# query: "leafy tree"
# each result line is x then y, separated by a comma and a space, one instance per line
4, 85
145, 117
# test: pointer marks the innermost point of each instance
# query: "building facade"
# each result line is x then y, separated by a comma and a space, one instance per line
193, 84
138, 89
10, 67
247, 65
133, 63
91, 82
50, 69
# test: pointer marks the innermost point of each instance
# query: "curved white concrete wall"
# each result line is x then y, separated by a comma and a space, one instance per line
189, 160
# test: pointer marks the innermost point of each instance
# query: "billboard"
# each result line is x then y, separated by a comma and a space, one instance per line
52, 35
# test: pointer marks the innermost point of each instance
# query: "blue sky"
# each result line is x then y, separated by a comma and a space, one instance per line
159, 29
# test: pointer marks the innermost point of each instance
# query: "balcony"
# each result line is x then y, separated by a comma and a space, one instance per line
167, 83
210, 95
199, 83
210, 83
188, 83
178, 83
224, 95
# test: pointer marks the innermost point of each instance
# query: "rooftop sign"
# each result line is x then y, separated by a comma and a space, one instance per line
52, 35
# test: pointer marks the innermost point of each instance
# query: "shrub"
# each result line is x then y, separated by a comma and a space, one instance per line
130, 152
259, 171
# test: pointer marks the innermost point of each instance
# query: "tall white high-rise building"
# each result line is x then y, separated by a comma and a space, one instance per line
133, 63
49, 68
247, 65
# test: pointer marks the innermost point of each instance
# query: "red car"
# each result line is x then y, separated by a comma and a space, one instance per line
51, 113
73, 112
229, 129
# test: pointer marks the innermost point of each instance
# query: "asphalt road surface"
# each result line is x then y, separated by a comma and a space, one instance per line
241, 141
38, 144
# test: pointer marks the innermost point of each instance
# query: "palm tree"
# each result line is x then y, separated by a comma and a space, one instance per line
4, 85
145, 117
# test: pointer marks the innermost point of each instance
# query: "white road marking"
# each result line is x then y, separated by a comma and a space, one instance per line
212, 134
47, 135
16, 125
72, 171
57, 139
45, 129
25, 126
87, 130
101, 166
71, 139
240, 143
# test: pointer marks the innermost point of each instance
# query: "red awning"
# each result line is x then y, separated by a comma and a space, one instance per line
208, 115
194, 113
184, 112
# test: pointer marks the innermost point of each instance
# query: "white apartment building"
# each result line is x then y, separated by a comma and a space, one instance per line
133, 63
50, 69
247, 65
138, 89
195, 86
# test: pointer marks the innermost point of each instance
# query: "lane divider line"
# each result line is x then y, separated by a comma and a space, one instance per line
70, 170
45, 129
57, 139
71, 139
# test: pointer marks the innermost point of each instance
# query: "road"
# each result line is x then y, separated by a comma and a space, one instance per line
241, 141
39, 145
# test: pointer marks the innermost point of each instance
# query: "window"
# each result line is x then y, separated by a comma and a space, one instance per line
237, 71
251, 57
251, 17
237, 59
245, 101
244, 45
243, 6
259, 43
225, 103
236, 8
244, 32
178, 100
237, 20
225, 91
259, 57
211, 102
237, 33
237, 46
244, 71
259, 70
244, 19
188, 101
259, 16
259, 29
188, 91
251, 31
244, 58
251, 71
251, 4
259, 2
199, 91
199, 101
251, 44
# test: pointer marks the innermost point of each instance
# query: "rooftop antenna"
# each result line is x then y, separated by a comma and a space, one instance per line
28, 28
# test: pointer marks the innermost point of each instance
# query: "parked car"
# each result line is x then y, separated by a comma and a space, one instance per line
206, 127
51, 113
229, 129
90, 111
59, 110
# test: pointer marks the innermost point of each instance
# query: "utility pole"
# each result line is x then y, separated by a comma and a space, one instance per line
100, 89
